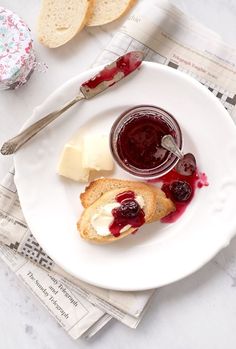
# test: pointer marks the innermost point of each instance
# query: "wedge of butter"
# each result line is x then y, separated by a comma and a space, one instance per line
70, 163
96, 153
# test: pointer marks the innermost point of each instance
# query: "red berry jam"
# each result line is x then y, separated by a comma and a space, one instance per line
129, 213
139, 142
180, 189
127, 195
125, 64
136, 141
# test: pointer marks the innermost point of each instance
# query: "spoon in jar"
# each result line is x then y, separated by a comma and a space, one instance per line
186, 165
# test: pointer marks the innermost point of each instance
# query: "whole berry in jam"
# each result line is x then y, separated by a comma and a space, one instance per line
129, 208
180, 190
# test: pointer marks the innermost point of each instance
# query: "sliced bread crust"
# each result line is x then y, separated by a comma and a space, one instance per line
60, 20
106, 11
100, 186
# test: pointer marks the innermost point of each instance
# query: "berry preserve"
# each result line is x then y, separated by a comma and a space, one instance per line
123, 65
139, 141
136, 141
128, 214
180, 189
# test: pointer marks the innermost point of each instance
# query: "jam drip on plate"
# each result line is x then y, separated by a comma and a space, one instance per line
129, 213
180, 189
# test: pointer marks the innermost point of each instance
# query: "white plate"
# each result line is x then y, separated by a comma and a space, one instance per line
159, 253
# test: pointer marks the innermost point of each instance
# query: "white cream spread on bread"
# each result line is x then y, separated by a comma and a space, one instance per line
103, 217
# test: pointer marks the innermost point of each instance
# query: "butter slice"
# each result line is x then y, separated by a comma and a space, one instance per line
70, 164
96, 153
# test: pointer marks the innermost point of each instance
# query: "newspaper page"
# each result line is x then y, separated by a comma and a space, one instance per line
166, 36
169, 37
126, 307
73, 312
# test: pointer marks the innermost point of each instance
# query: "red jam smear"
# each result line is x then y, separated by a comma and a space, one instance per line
197, 180
120, 221
139, 141
127, 195
125, 64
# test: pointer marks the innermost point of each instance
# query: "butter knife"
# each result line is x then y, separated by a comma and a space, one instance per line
106, 78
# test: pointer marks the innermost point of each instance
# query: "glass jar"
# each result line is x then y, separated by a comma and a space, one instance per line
135, 141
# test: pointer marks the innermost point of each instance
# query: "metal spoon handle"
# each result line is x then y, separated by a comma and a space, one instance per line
11, 146
168, 143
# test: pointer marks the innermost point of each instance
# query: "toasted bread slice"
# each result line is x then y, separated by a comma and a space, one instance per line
106, 11
100, 186
85, 227
60, 20
164, 206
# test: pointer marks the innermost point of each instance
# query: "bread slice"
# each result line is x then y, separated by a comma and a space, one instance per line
85, 227
164, 206
60, 20
106, 11
100, 186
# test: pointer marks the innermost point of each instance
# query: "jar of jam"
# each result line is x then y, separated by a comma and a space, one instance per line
135, 141
17, 57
